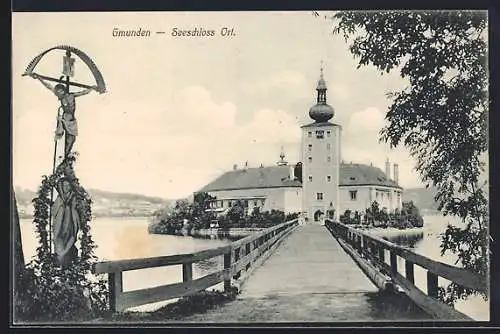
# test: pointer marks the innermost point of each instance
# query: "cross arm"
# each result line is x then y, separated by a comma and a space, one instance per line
63, 81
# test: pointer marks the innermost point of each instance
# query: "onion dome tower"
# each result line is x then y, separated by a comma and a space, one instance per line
320, 155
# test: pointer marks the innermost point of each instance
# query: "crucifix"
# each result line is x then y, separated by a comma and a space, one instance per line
64, 209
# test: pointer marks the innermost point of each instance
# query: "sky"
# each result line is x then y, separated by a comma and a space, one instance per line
180, 111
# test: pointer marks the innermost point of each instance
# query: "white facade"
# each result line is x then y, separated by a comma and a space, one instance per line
359, 198
287, 199
320, 154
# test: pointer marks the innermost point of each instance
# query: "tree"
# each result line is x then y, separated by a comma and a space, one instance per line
441, 116
236, 213
412, 214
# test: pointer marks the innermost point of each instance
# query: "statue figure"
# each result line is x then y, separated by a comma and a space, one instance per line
66, 220
66, 123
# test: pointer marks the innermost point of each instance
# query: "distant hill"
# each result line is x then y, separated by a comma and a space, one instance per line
105, 203
423, 198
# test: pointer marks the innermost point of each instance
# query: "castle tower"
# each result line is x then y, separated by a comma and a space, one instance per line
320, 156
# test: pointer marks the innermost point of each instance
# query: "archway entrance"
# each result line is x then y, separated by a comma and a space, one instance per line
317, 215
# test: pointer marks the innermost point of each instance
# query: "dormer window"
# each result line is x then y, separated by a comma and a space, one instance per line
320, 134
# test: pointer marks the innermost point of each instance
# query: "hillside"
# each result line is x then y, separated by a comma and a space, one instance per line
105, 203
423, 198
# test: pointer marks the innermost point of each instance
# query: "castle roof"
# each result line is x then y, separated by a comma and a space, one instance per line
361, 175
262, 177
278, 177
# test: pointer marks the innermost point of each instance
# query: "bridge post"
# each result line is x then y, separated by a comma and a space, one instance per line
227, 265
187, 272
236, 259
115, 289
394, 263
409, 274
381, 254
432, 285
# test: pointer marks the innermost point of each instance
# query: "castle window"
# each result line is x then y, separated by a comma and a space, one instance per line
254, 203
329, 159
329, 178
353, 194
309, 147
320, 134
310, 159
310, 178
229, 204
319, 196
328, 147
246, 203
309, 134
328, 133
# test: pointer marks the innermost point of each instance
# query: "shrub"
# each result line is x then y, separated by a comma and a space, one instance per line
48, 292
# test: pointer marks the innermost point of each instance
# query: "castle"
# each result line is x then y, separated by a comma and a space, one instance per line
320, 185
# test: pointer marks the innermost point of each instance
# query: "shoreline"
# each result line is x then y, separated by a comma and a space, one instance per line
240, 232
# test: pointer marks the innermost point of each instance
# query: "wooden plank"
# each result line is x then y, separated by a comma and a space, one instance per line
160, 261
431, 306
458, 275
165, 292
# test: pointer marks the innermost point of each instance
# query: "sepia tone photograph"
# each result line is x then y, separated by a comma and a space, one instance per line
250, 167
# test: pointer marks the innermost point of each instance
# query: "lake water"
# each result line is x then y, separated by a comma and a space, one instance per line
128, 238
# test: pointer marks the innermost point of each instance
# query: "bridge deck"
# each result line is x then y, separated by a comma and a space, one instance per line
309, 278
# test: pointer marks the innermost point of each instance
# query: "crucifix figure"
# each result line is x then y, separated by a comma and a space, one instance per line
66, 123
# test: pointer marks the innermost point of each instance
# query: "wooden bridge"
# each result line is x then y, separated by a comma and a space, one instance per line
310, 273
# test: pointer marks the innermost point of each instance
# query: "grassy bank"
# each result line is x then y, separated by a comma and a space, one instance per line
186, 306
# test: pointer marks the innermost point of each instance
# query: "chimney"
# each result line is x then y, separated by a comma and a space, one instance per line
388, 169
396, 173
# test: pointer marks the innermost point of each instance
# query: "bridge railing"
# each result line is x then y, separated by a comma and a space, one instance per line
375, 250
239, 256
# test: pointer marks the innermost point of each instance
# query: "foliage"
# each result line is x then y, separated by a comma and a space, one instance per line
412, 214
236, 213
52, 293
441, 116
171, 221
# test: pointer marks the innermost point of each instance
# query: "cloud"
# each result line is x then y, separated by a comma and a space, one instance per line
284, 80
369, 120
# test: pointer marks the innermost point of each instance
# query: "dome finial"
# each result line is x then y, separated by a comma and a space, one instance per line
321, 112
282, 162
